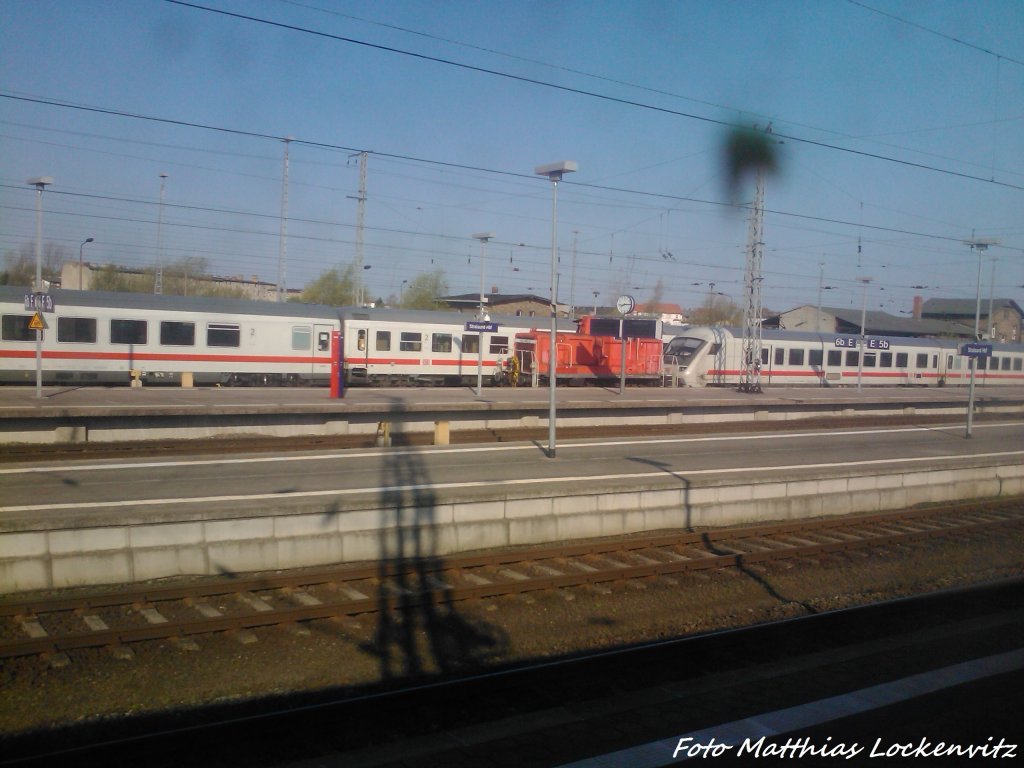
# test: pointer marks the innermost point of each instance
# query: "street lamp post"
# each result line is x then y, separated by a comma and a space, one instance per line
40, 183
554, 172
483, 237
980, 245
80, 267
863, 320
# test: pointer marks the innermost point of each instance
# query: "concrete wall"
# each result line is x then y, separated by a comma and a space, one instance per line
64, 554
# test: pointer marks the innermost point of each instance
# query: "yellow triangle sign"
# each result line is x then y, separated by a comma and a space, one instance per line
36, 323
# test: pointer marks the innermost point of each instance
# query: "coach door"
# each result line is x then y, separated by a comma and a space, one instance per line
321, 349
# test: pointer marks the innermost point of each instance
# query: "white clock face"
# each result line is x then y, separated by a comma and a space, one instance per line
625, 304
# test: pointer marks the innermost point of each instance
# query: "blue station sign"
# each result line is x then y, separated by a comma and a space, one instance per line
976, 349
481, 327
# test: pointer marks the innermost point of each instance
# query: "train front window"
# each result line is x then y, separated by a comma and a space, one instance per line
129, 331
15, 328
174, 333
223, 335
682, 349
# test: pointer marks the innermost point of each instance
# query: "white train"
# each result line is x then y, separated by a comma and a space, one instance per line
93, 337
708, 356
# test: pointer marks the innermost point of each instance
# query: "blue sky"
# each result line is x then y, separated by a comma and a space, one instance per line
903, 126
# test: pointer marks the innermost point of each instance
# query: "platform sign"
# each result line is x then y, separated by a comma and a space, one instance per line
976, 349
481, 327
850, 342
39, 302
847, 342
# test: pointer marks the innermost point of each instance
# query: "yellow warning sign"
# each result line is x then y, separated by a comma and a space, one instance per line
36, 323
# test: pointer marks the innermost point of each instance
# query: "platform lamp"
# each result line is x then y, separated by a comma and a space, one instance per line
980, 245
554, 172
80, 267
863, 333
40, 183
483, 237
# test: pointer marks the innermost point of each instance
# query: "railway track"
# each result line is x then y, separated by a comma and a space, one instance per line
150, 448
54, 626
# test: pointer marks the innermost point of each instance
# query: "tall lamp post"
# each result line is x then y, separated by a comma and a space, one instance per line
40, 183
980, 245
554, 172
483, 237
863, 321
80, 267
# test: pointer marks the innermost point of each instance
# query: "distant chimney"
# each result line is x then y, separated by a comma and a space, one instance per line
494, 289
918, 302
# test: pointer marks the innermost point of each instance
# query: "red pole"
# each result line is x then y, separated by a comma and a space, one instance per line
337, 365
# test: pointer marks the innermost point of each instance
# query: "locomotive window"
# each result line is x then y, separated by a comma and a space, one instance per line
470, 342
302, 337
440, 342
174, 333
814, 357
15, 328
885, 360
361, 339
852, 357
223, 335
835, 357
922, 360
499, 345
902, 358
410, 342
383, 343
796, 357
76, 329
780, 356
870, 359
129, 331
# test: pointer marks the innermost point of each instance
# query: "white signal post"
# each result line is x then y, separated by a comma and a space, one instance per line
980, 245
554, 172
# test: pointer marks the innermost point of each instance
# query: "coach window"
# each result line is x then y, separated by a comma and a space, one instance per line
922, 360
410, 342
174, 333
499, 345
302, 337
15, 328
835, 357
796, 357
814, 357
780, 356
764, 356
1006, 363
852, 357
982, 363
223, 335
870, 359
470, 343
1018, 363
129, 331
885, 360
902, 358
76, 329
361, 340
383, 342
440, 342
